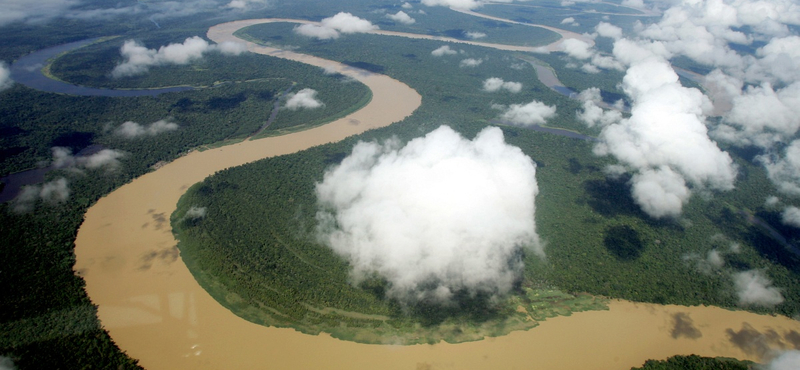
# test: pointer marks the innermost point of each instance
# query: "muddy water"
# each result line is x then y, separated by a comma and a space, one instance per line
155, 310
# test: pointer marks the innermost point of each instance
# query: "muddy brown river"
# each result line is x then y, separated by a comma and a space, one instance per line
156, 312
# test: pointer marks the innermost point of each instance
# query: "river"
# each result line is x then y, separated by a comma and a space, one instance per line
28, 71
155, 310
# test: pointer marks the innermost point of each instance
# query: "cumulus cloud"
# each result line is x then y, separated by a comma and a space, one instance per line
401, 17
5, 76
531, 114
772, 201
784, 171
196, 212
244, 4
460, 4
331, 27
791, 216
755, 289
569, 21
138, 59
348, 23
6, 363
303, 99
47, 10
665, 140
470, 62
609, 30
576, 48
443, 50
475, 35
639, 4
582, 50
132, 129
713, 261
407, 6
105, 158
786, 360
494, 84
52, 192
316, 31
441, 214
20, 10
592, 115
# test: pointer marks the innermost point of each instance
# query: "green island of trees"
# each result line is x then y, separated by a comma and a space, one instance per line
694, 362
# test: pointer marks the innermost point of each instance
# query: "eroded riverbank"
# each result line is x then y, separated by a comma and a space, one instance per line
156, 311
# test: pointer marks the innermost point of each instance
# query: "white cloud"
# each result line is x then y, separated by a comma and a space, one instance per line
786, 360
42, 11
348, 23
244, 4
132, 130
460, 4
329, 28
5, 76
407, 6
661, 192
475, 35
533, 113
138, 59
195, 212
791, 216
470, 62
639, 4
568, 21
665, 140
755, 289
772, 201
712, 262
443, 50
25, 11
303, 99
316, 31
715, 259
52, 192
608, 30
401, 17
494, 84
592, 114
784, 171
105, 158
577, 48
6, 363
439, 215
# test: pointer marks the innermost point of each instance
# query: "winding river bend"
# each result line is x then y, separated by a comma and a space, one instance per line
156, 311
28, 71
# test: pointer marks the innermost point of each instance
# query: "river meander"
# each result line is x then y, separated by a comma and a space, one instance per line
156, 312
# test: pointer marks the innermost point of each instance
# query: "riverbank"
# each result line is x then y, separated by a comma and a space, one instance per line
155, 310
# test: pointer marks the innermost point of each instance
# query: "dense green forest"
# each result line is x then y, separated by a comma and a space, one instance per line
695, 362
48, 321
597, 239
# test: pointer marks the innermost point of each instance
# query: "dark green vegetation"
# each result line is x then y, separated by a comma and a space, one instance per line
46, 319
255, 250
694, 362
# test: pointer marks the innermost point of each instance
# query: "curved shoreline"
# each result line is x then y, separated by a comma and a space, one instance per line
28, 70
155, 310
